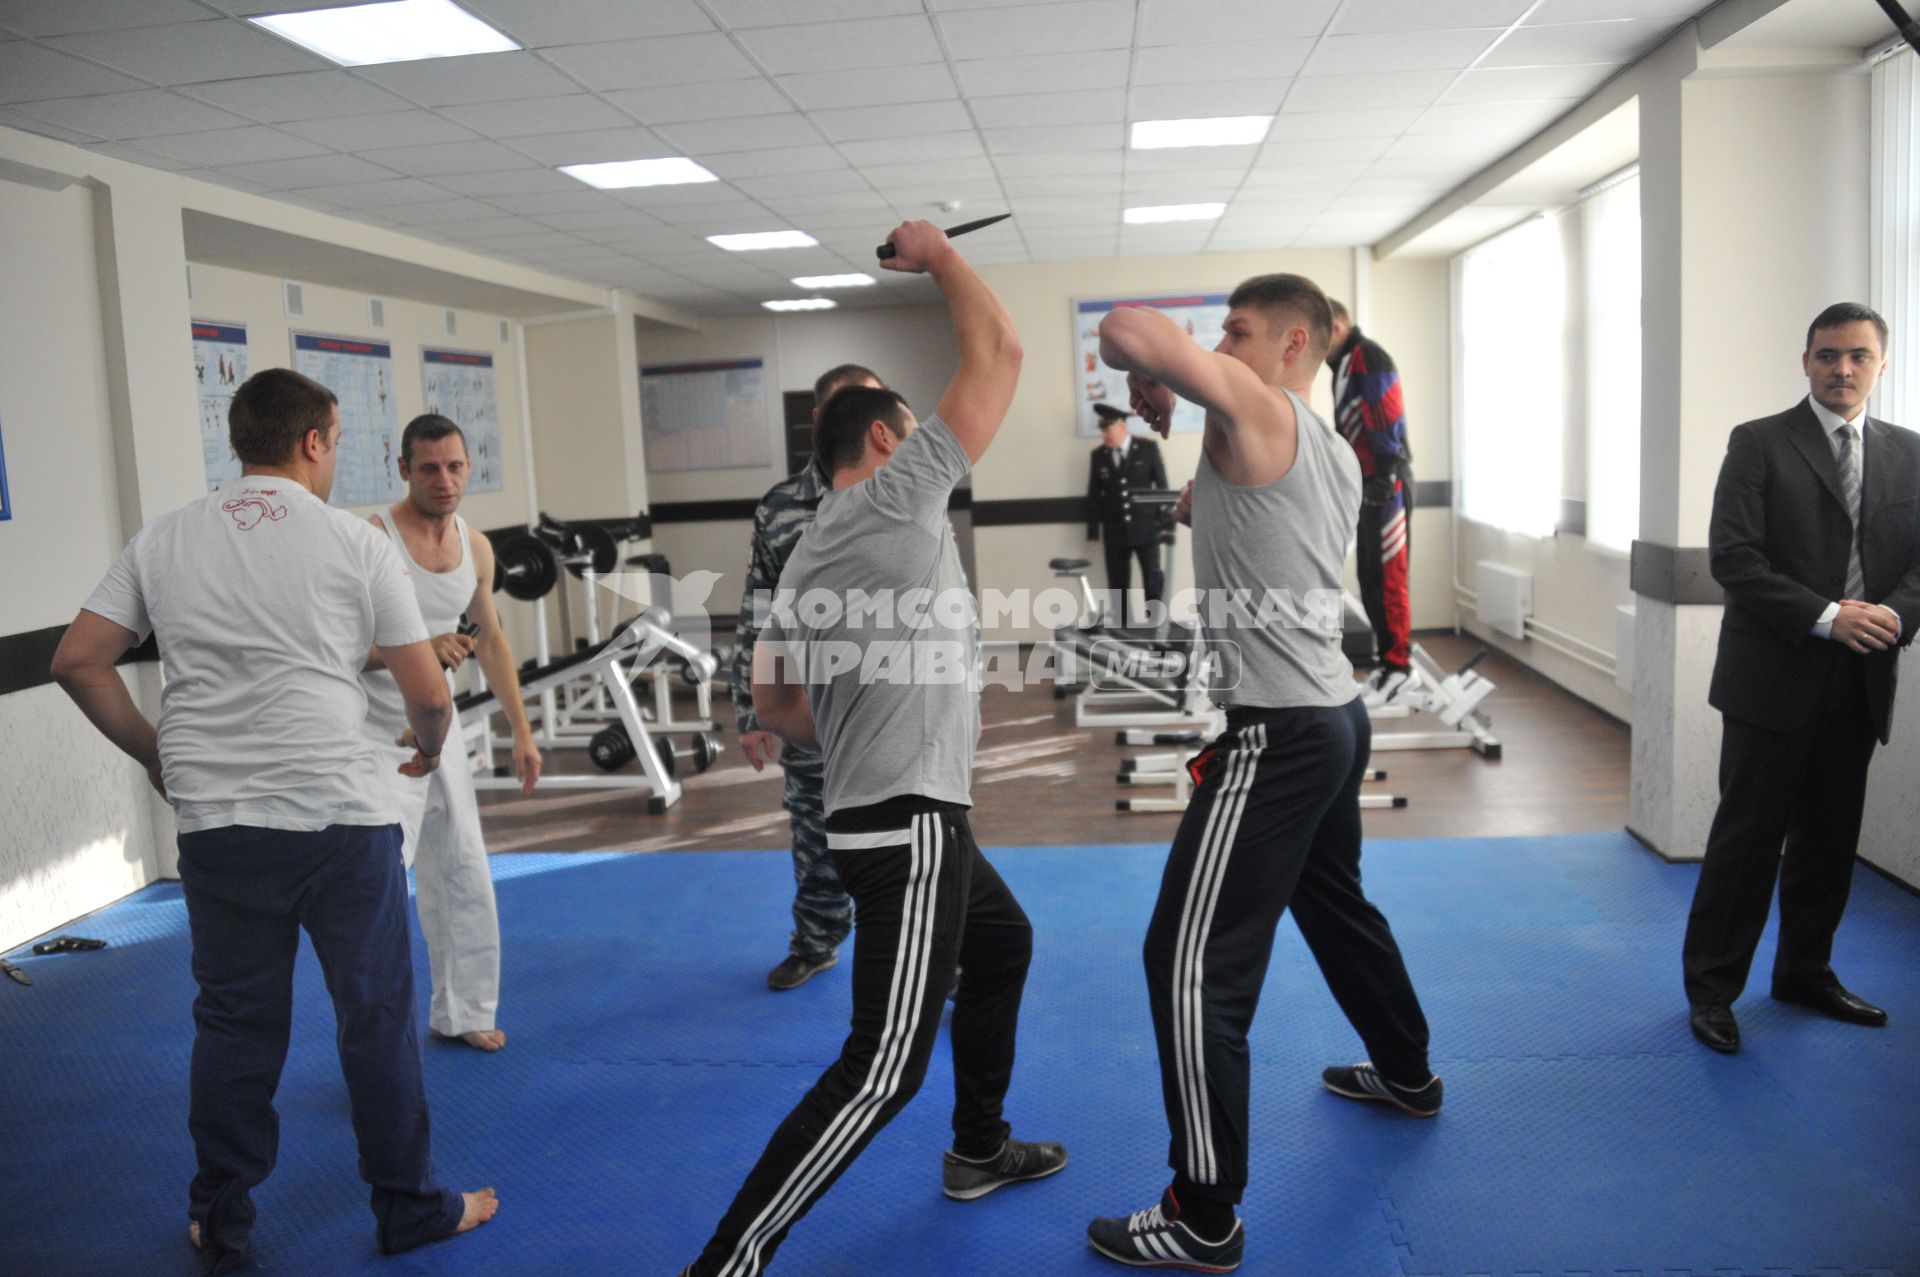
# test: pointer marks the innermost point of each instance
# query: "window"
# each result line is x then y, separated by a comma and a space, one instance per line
1896, 231
1512, 326
1610, 243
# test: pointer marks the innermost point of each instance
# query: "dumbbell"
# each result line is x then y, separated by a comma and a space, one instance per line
611, 749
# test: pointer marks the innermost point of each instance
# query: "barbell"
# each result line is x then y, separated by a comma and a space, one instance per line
524, 567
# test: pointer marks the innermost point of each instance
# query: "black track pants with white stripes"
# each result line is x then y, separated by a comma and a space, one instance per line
1274, 822
925, 900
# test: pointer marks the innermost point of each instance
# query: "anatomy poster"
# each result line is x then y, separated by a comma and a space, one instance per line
1202, 315
460, 388
219, 366
706, 416
361, 374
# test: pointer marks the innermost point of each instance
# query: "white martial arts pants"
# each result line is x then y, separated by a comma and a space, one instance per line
453, 886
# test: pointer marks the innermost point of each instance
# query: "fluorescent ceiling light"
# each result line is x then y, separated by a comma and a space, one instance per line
763, 239
858, 279
1223, 130
1172, 213
803, 303
617, 175
398, 31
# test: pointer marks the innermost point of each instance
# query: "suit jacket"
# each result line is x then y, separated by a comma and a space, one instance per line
1110, 510
1778, 546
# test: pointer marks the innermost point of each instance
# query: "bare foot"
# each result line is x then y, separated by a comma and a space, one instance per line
478, 1039
481, 1206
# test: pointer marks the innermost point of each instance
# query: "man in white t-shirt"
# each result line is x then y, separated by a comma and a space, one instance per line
264, 601
451, 567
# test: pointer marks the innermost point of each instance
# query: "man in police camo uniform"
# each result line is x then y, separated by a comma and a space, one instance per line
822, 912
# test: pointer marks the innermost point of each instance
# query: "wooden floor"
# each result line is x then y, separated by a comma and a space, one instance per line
1040, 780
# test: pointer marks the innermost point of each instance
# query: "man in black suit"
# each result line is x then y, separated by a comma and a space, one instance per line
1816, 539
1120, 466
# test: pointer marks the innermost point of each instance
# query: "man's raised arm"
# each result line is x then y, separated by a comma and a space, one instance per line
977, 399
1143, 342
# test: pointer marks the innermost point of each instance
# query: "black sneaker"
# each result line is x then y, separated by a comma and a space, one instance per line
796, 971
1363, 1082
963, 1180
1155, 1238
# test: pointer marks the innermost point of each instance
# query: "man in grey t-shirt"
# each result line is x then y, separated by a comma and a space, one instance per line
868, 657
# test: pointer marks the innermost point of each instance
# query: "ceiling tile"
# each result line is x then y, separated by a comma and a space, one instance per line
1231, 21
379, 128
1556, 11
771, 13
547, 202
750, 133
826, 208
1178, 188
1524, 84
189, 52
1323, 151
1368, 89
304, 95
569, 114
1299, 172
27, 124
134, 155
898, 150
318, 170
1205, 63
883, 85
218, 148
888, 176
616, 218
592, 146
653, 198
681, 216
1059, 72
479, 77
1389, 121
1365, 17
403, 190
1579, 42
141, 113
1451, 146
539, 23
1041, 163
439, 212
843, 46
925, 198
725, 99
1059, 28
29, 71
1191, 101
37, 17
1057, 137
904, 120
1401, 51
782, 159
1489, 117
783, 189
1095, 106
628, 64
529, 181
1189, 158
448, 157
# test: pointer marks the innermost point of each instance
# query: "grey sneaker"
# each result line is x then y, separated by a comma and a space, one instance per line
1363, 1082
963, 1180
1155, 1238
795, 971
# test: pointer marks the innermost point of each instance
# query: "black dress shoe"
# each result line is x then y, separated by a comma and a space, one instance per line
1833, 1000
1714, 1025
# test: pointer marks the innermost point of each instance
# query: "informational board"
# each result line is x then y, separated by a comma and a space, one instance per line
6, 502
460, 388
360, 372
1202, 315
708, 416
219, 366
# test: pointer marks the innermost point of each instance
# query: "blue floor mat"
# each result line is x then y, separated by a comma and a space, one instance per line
1584, 1132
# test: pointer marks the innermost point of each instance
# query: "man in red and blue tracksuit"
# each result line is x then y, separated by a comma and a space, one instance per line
1369, 411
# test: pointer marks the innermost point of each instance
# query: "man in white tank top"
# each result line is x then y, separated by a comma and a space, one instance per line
452, 574
1275, 820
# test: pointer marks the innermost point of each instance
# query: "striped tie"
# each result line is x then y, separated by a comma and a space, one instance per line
1849, 461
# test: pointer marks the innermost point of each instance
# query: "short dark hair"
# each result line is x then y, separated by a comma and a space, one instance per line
426, 428
840, 440
1841, 313
1294, 296
843, 375
272, 412
1339, 311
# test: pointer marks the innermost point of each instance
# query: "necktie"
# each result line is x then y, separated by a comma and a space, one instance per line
1119, 458
1849, 461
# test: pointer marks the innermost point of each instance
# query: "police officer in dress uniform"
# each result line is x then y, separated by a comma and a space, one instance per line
1118, 467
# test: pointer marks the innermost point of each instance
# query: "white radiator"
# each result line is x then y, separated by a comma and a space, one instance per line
1505, 597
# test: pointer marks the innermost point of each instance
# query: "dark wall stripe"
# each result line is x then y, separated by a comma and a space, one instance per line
26, 660
740, 509
1674, 574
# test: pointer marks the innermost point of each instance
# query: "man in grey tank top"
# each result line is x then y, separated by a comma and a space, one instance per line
1275, 819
